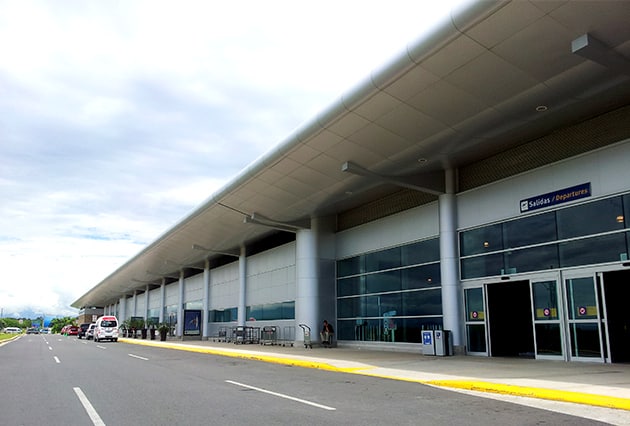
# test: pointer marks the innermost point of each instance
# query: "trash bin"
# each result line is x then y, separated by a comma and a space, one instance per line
442, 342
428, 342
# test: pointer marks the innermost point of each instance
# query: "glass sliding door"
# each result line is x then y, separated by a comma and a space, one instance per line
547, 318
475, 321
583, 318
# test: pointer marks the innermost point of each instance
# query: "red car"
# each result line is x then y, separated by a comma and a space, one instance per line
72, 330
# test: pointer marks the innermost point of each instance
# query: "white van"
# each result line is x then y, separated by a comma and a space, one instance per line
13, 330
106, 328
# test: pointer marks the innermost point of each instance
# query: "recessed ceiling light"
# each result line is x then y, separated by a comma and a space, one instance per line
422, 160
541, 108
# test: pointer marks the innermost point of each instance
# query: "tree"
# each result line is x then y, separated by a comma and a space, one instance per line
58, 323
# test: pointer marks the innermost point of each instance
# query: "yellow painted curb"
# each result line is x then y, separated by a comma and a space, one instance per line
541, 393
242, 355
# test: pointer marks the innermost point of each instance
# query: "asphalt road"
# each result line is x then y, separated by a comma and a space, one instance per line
58, 380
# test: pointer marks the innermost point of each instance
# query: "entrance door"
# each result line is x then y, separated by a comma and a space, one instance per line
547, 317
616, 295
511, 333
584, 322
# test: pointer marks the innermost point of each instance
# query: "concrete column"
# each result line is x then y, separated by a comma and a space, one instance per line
162, 299
206, 300
242, 279
135, 304
180, 306
146, 303
449, 261
315, 277
123, 309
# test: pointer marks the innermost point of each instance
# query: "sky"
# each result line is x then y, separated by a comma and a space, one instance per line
118, 118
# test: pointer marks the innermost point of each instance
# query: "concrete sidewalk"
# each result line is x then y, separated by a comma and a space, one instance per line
602, 385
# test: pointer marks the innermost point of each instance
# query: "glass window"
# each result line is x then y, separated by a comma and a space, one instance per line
590, 218
530, 230
481, 240
474, 304
404, 330
171, 314
350, 266
350, 307
532, 259
548, 340
254, 312
421, 252
482, 266
581, 298
389, 303
424, 302
351, 286
585, 340
288, 310
383, 281
272, 311
626, 211
476, 338
197, 304
421, 277
607, 248
384, 259
545, 300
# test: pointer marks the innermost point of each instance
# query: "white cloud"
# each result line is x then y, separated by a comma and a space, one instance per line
118, 118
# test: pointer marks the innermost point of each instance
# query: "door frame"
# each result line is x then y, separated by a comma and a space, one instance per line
532, 277
595, 274
560, 321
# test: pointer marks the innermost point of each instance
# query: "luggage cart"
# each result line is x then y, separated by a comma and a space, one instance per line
307, 336
269, 335
246, 335
288, 336
222, 335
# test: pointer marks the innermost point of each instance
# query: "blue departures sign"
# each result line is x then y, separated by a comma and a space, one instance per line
557, 197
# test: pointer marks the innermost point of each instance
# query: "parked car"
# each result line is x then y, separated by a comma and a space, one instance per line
89, 334
73, 330
13, 330
32, 330
106, 328
83, 329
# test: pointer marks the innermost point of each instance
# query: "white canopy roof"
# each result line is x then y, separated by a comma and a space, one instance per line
493, 76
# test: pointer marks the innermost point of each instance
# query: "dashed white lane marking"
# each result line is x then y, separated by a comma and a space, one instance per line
139, 357
280, 395
57, 360
96, 419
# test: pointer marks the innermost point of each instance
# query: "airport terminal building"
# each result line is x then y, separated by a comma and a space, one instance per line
479, 183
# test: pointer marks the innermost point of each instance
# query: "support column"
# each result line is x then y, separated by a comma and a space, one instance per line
123, 309
449, 261
135, 304
206, 300
242, 279
162, 299
315, 276
146, 304
180, 306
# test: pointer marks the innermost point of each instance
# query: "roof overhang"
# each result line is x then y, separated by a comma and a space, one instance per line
491, 77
